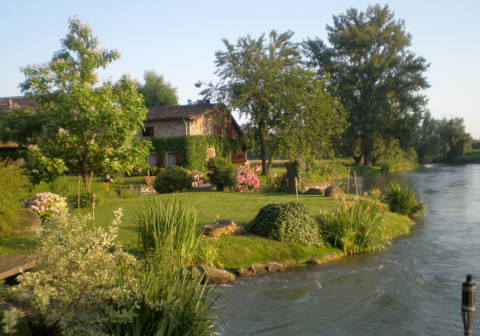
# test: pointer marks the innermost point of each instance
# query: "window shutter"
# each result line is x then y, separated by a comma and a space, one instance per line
219, 131
178, 159
159, 157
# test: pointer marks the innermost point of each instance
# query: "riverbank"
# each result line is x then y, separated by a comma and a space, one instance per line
233, 252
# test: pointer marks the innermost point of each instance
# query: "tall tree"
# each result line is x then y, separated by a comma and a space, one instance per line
453, 138
287, 107
157, 91
428, 142
80, 125
379, 80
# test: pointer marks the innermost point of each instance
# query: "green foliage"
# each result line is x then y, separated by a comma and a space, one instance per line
172, 179
61, 186
168, 222
296, 169
453, 138
170, 302
221, 173
284, 103
14, 185
157, 91
377, 78
80, 271
287, 222
428, 143
85, 199
354, 227
402, 199
82, 126
193, 149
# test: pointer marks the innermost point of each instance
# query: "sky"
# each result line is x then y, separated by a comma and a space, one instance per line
178, 39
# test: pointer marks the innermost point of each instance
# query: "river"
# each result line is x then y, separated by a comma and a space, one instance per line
411, 288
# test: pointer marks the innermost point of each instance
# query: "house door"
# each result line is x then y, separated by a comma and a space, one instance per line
172, 159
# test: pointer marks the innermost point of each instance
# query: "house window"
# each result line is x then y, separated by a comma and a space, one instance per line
149, 131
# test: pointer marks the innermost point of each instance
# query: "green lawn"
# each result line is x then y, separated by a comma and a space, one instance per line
233, 251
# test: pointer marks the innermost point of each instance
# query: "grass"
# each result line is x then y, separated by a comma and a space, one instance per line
233, 251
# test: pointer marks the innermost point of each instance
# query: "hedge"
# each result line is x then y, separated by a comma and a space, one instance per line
194, 148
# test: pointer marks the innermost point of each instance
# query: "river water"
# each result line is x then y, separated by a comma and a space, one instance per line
411, 288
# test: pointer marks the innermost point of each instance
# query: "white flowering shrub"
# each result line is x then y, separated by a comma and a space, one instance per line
46, 204
80, 273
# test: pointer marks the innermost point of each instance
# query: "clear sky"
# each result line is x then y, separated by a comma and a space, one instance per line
178, 39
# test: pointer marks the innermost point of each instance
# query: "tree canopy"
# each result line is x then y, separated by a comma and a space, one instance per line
286, 106
79, 125
378, 79
157, 91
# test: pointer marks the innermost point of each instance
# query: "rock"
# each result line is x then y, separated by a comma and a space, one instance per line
315, 191
222, 227
212, 274
333, 191
259, 269
323, 260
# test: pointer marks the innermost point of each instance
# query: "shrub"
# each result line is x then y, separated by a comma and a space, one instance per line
403, 200
247, 180
46, 204
80, 271
289, 222
168, 222
14, 185
170, 301
221, 173
85, 200
354, 227
171, 179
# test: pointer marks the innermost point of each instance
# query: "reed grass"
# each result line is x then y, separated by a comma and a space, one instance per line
354, 227
168, 222
402, 199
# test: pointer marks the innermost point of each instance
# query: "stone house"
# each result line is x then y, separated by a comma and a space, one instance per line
199, 120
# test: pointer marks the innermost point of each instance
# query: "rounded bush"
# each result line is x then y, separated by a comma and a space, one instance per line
288, 222
221, 173
172, 179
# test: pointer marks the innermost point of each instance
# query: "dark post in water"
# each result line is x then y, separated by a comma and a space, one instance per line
468, 305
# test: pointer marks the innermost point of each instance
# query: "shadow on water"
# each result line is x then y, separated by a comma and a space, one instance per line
411, 288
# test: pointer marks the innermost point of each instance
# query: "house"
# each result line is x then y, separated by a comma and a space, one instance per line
188, 135
185, 135
11, 149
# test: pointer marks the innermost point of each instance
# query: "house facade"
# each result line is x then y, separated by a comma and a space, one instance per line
174, 129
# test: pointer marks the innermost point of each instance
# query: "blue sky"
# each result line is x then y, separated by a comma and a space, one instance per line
178, 39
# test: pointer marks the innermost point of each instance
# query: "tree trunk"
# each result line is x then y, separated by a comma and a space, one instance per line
87, 177
263, 149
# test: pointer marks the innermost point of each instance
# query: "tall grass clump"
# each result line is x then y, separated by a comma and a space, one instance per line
170, 301
61, 186
168, 222
354, 227
402, 199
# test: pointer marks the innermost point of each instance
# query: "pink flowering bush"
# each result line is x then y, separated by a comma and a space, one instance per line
247, 180
46, 204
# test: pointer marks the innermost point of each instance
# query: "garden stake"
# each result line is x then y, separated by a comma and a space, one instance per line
93, 207
296, 188
468, 305
78, 192
348, 180
356, 186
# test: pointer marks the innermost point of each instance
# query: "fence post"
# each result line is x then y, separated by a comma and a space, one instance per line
468, 305
93, 207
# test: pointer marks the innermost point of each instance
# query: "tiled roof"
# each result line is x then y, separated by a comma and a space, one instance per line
8, 103
187, 112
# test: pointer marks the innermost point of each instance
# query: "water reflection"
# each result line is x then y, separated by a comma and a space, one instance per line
412, 288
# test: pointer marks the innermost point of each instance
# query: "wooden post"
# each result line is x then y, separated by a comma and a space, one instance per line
348, 181
93, 207
356, 186
78, 192
296, 188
